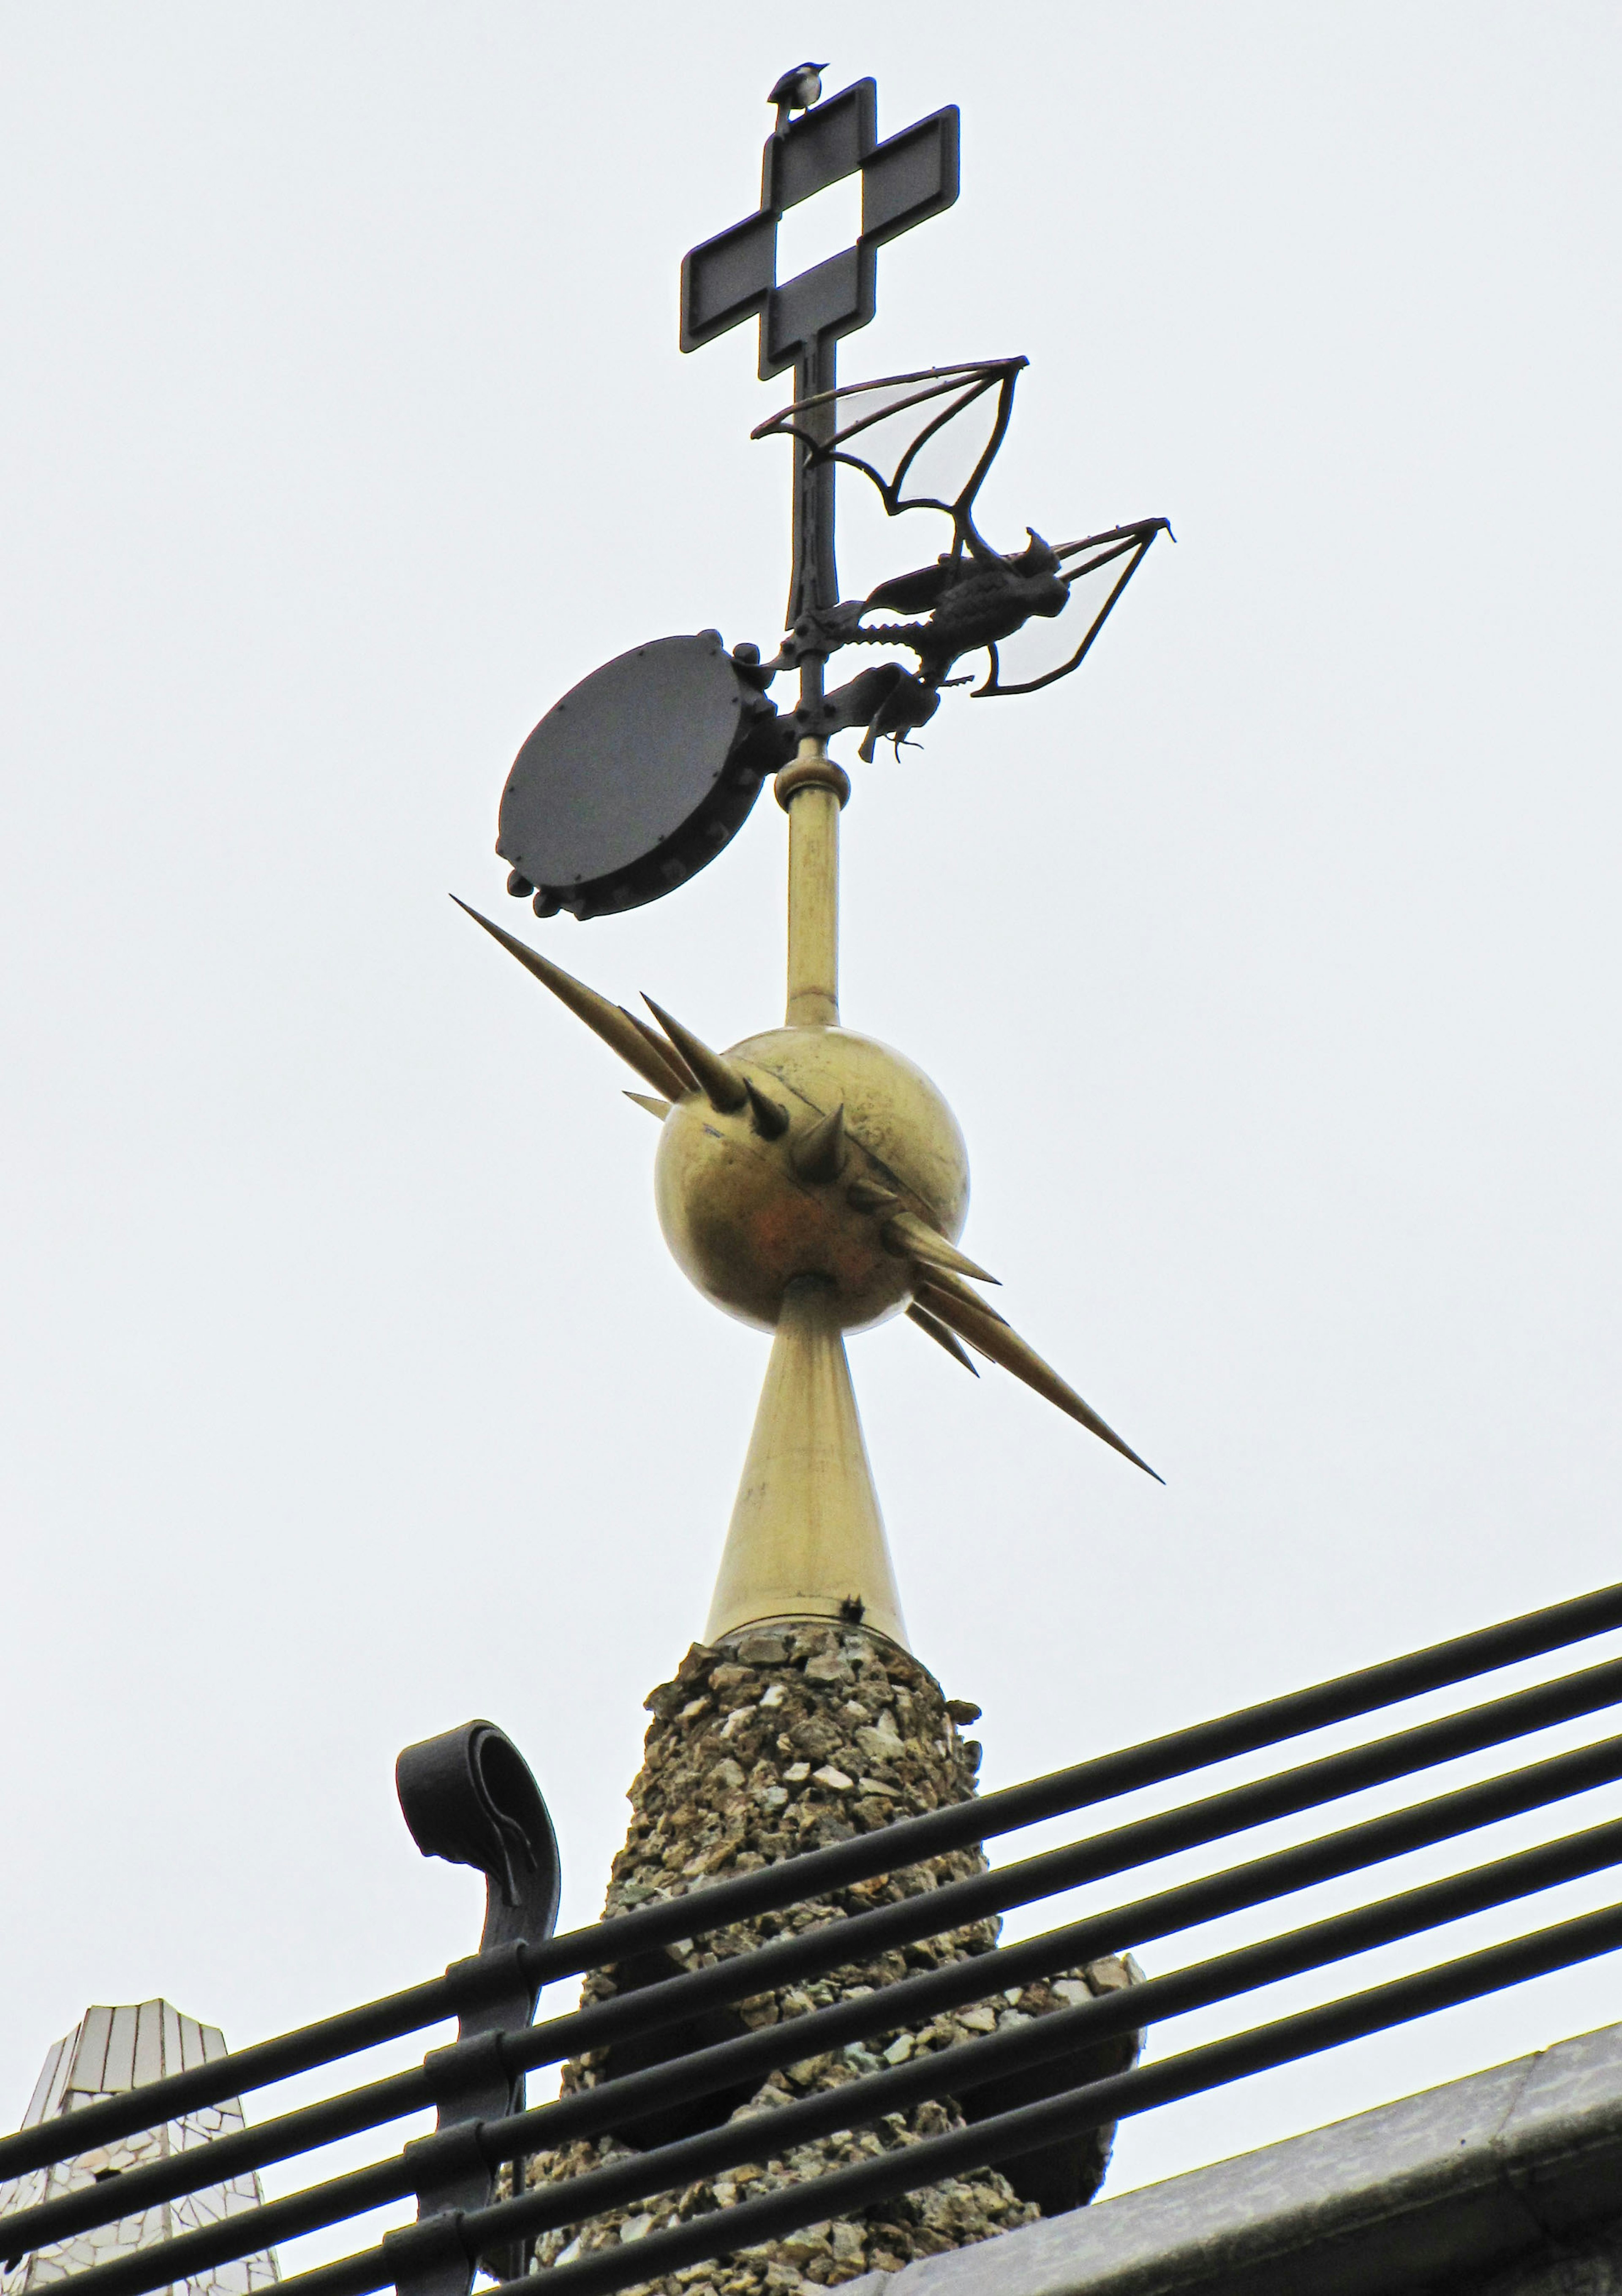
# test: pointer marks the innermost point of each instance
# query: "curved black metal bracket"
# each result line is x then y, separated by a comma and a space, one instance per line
468, 1796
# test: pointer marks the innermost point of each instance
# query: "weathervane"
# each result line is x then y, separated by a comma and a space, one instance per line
810, 1180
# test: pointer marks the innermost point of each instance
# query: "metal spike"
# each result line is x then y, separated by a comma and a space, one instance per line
819, 1154
868, 1196
667, 1052
941, 1279
911, 1238
973, 1321
771, 1117
942, 1338
602, 1018
719, 1082
659, 1108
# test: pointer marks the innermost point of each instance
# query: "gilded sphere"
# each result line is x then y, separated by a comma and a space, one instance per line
746, 1209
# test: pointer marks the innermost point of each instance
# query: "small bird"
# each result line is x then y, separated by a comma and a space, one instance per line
796, 90
908, 704
888, 699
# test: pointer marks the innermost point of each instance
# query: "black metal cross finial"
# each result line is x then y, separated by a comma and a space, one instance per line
732, 277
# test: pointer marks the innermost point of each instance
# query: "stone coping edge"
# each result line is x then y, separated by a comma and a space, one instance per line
1433, 2192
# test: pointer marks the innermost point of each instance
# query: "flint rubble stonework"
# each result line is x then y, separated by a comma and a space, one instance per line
782, 1740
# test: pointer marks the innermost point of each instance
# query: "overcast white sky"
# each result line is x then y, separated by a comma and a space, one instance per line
1270, 965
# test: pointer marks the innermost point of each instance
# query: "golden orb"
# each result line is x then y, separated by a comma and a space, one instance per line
782, 1186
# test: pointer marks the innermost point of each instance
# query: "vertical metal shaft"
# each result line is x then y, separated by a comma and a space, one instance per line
811, 791
815, 582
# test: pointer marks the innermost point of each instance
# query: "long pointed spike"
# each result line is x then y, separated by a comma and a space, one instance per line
819, 1154
659, 1108
602, 1018
771, 1117
942, 1337
973, 1322
719, 1082
953, 1287
911, 1238
667, 1052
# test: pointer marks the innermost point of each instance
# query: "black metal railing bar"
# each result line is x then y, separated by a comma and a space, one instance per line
194, 2168
956, 1904
910, 2000
813, 1873
928, 1914
859, 1938
914, 2167
996, 2056
451, 2239
819, 1872
241, 2072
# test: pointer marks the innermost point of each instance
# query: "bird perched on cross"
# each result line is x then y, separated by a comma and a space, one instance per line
796, 90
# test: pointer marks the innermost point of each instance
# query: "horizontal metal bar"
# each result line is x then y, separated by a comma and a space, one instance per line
269, 2221
839, 1944
238, 2072
911, 2167
352, 2275
911, 2000
1152, 1762
194, 2168
958, 2071
813, 1873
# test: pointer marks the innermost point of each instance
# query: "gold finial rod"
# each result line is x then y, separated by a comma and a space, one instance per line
812, 791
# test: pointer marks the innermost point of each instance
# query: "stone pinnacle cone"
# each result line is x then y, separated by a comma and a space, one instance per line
108, 2053
778, 1740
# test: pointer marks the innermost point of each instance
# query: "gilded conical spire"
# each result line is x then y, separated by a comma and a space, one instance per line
806, 1539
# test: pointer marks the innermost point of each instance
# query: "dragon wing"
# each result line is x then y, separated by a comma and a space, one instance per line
1096, 571
926, 440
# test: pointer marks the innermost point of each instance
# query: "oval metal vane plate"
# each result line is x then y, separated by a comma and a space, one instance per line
637, 777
